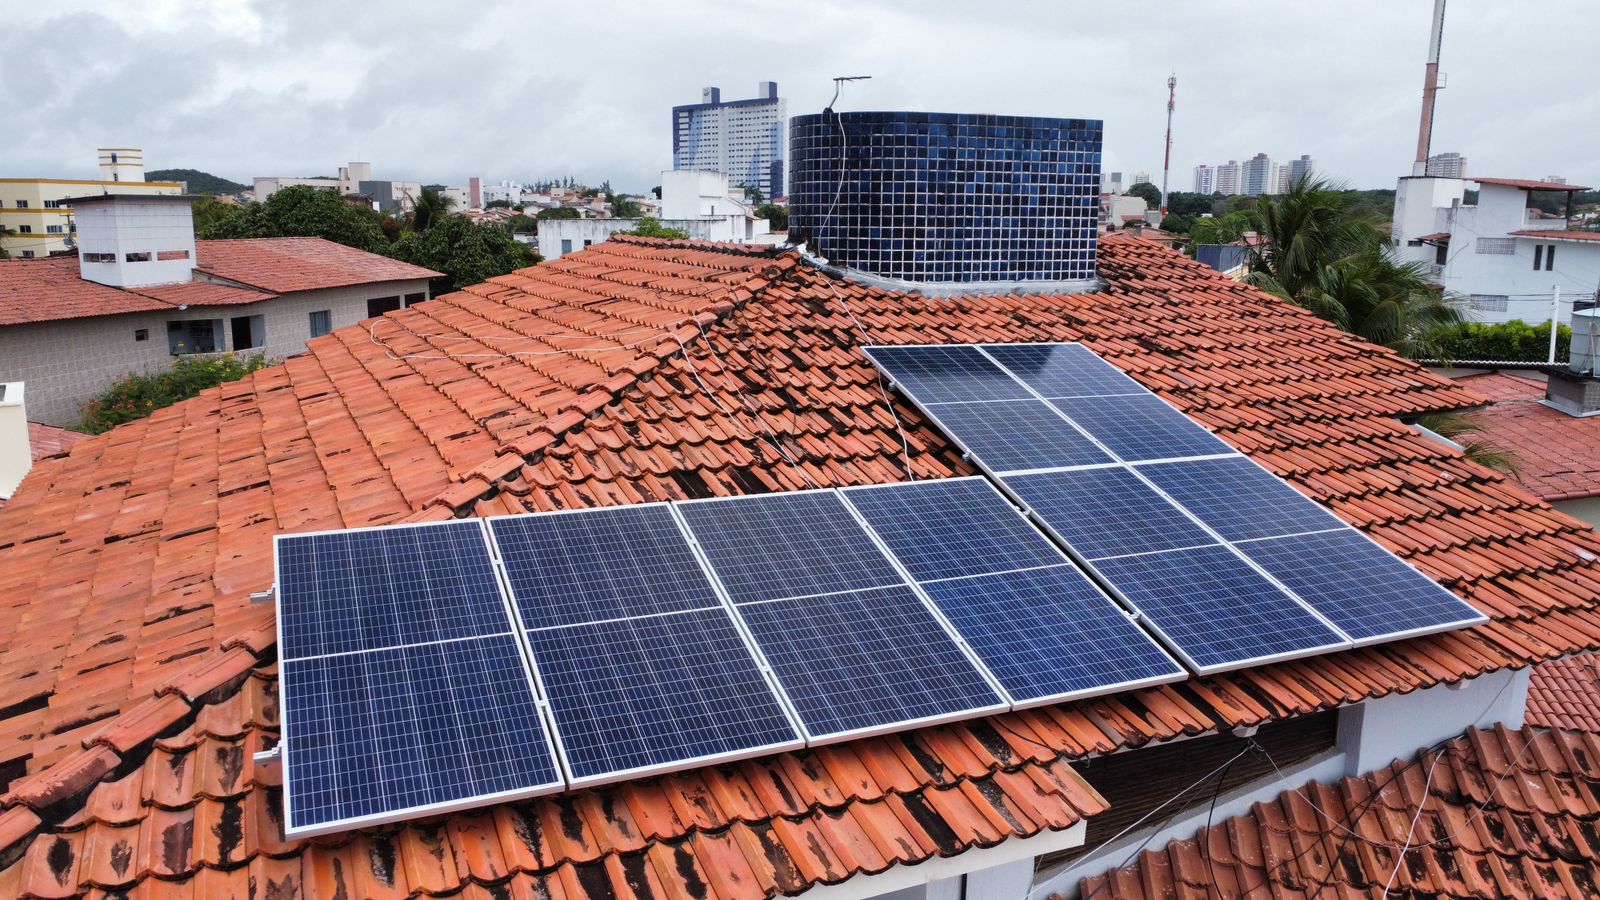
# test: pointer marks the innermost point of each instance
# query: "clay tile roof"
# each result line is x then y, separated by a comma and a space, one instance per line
136, 675
1487, 828
1555, 452
1560, 235
49, 440
1565, 693
199, 293
1529, 184
285, 264
50, 289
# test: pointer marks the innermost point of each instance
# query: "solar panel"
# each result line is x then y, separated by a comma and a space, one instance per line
1215, 610
1106, 512
1062, 370
1016, 434
1038, 623
386, 587
1240, 500
946, 374
865, 662
1368, 592
640, 660
1141, 427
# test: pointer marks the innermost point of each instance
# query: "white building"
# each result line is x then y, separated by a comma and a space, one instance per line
1505, 258
1447, 165
143, 292
1141, 178
1228, 178
1257, 177
353, 180
1205, 179
700, 203
743, 139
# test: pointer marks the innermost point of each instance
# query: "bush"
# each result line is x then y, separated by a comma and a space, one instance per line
1514, 341
137, 396
652, 228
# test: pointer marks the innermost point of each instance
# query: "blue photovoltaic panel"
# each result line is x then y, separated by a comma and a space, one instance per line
1106, 512
381, 735
946, 374
656, 692
786, 545
1215, 609
952, 527
1361, 587
600, 564
865, 661
1050, 634
1017, 434
386, 587
1240, 500
1063, 370
1141, 428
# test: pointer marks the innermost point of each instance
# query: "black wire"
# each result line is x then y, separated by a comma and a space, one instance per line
1222, 780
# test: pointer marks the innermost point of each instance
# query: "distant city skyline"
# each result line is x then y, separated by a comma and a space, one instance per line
250, 89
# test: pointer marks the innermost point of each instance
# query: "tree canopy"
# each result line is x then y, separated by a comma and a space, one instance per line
559, 212
651, 227
777, 216
431, 207
467, 251
1150, 193
300, 211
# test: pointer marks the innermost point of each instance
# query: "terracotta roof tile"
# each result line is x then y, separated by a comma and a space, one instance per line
1529, 184
1566, 693
284, 264
1485, 828
50, 440
641, 370
199, 293
50, 289
1554, 451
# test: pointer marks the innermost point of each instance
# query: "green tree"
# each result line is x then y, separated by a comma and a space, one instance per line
1465, 430
1176, 223
753, 194
651, 227
522, 224
1218, 229
197, 182
208, 211
137, 396
5, 233
1313, 252
777, 216
559, 212
467, 251
1150, 193
623, 208
430, 209
497, 204
303, 211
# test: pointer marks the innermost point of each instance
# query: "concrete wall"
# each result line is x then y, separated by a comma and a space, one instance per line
151, 228
583, 232
1587, 509
64, 364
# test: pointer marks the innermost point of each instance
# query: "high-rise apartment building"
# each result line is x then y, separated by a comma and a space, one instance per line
1256, 176
1228, 178
742, 139
1205, 179
1141, 178
1447, 165
1300, 169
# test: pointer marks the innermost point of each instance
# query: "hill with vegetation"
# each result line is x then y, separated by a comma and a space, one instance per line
199, 182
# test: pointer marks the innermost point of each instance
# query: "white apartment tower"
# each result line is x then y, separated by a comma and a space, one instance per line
743, 139
1447, 165
1227, 178
121, 164
1301, 169
1205, 180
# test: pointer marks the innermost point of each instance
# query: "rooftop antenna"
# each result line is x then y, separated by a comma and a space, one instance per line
1430, 87
1166, 163
838, 85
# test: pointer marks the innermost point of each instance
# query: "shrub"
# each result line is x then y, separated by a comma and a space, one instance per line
137, 396
1514, 341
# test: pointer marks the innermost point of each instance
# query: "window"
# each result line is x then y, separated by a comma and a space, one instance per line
1549, 257
1538, 256
52, 204
27, 254
194, 336
22, 204
415, 298
1441, 254
54, 229
587, 244
249, 332
137, 257
1490, 302
141, 334
172, 254
99, 257
321, 322
24, 229
113, 159
377, 306
566, 246
1498, 246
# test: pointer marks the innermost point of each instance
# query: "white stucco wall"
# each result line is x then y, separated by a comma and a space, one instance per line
1587, 509
67, 363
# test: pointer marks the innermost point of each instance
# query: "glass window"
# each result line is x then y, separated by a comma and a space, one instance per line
22, 204
24, 229
321, 322
415, 298
141, 334
99, 257
249, 332
377, 306
137, 257
172, 254
1549, 257
194, 336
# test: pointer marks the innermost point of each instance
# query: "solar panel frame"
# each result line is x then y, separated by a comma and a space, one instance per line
286, 732
553, 725
1061, 560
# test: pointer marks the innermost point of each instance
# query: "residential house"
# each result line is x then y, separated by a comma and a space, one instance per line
143, 292
699, 203
138, 679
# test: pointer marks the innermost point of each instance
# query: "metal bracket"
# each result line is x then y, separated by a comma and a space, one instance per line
269, 757
265, 596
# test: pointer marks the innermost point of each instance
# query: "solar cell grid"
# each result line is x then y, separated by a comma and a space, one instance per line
1365, 590
1062, 370
952, 527
1238, 499
386, 587
594, 565
1141, 428
1017, 434
867, 661
657, 692
792, 544
947, 374
1220, 613
1106, 512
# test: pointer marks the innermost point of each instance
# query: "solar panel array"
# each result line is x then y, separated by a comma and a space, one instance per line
1226, 563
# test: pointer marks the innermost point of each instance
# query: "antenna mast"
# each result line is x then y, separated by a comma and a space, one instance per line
1166, 163
1430, 87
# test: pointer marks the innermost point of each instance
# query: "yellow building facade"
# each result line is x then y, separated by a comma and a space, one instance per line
36, 222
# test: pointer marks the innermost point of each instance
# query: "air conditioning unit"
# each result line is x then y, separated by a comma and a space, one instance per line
1585, 356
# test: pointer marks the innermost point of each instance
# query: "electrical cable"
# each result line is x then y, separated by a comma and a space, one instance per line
1411, 830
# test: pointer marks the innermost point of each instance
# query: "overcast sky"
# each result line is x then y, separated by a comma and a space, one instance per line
526, 90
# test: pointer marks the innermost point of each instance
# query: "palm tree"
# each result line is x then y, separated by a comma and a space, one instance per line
1458, 428
429, 209
1317, 253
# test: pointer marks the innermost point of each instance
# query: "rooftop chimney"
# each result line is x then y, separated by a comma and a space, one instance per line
135, 240
16, 456
1575, 390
